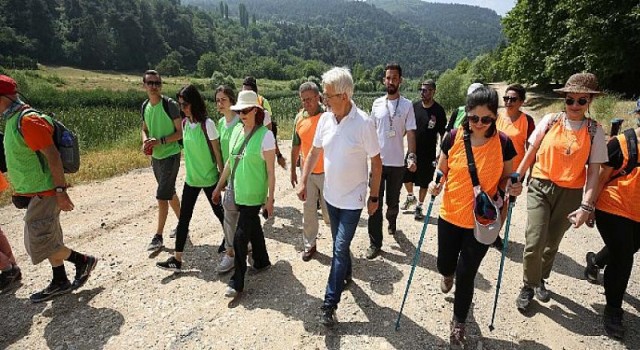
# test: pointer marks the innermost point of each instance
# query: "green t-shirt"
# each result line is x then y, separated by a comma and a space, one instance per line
250, 181
224, 131
159, 125
201, 171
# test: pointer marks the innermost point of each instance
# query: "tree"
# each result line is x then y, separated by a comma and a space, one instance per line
226, 11
244, 16
207, 64
221, 9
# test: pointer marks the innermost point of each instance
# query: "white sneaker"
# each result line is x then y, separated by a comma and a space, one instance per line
173, 233
230, 293
226, 264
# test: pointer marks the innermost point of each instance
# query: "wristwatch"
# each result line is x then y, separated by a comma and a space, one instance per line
60, 189
373, 199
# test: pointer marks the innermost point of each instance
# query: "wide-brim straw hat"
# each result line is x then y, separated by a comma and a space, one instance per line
581, 83
246, 99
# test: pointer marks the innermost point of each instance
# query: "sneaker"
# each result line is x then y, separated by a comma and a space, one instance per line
418, 214
446, 284
348, 280
592, 270
9, 277
221, 247
54, 289
328, 316
456, 337
542, 293
254, 271
524, 298
308, 253
612, 322
84, 271
372, 252
226, 264
411, 200
498, 244
230, 292
250, 261
173, 233
172, 264
156, 243
391, 230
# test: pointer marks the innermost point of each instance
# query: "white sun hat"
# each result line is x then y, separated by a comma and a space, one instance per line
246, 99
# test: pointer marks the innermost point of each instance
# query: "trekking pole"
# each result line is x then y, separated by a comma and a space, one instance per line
416, 256
515, 177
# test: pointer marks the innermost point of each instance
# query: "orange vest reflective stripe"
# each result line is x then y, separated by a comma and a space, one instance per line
517, 132
622, 195
457, 200
306, 130
563, 154
4, 185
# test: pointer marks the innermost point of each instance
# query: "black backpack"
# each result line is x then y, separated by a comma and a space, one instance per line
165, 106
632, 147
3, 160
64, 139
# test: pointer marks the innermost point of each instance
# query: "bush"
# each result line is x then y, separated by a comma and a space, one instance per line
218, 78
208, 64
604, 108
451, 89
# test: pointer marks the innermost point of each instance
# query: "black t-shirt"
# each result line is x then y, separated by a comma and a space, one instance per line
508, 150
429, 123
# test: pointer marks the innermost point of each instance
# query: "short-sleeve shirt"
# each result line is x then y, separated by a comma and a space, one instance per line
347, 147
392, 118
160, 124
429, 123
305, 126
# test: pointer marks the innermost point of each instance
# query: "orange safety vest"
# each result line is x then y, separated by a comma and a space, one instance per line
621, 196
457, 200
306, 130
517, 132
563, 154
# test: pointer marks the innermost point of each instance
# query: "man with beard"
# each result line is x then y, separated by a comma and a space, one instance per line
394, 118
431, 121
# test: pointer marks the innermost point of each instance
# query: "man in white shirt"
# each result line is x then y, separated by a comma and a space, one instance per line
348, 138
394, 118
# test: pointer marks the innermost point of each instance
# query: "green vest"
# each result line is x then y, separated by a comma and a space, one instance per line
28, 170
459, 117
200, 168
160, 125
250, 183
225, 135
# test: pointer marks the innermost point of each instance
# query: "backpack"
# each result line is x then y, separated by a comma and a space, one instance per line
165, 106
3, 160
64, 139
632, 147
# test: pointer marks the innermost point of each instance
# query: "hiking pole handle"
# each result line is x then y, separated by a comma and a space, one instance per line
515, 178
439, 176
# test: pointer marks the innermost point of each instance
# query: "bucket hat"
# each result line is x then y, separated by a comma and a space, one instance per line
246, 99
8, 86
581, 83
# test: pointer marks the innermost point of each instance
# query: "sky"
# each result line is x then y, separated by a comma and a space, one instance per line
500, 6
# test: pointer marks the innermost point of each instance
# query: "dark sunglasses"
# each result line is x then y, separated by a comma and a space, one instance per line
154, 83
486, 120
246, 110
509, 99
581, 101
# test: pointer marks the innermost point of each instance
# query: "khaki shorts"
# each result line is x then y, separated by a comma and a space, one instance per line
42, 231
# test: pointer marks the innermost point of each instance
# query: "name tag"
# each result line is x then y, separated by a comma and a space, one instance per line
391, 133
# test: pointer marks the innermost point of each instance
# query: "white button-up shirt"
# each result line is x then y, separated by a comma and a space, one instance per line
392, 118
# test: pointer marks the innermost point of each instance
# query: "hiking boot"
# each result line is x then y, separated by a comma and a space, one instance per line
372, 252
308, 253
524, 298
9, 277
328, 316
542, 293
592, 270
446, 284
498, 244
411, 200
418, 214
54, 289
172, 264
456, 337
230, 292
83, 272
612, 321
226, 264
156, 243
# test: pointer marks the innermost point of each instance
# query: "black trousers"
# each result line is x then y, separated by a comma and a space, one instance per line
189, 198
622, 239
249, 230
460, 253
391, 183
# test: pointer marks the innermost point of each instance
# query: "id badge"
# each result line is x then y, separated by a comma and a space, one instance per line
391, 133
432, 123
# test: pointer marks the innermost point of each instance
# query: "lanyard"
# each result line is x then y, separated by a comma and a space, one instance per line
395, 111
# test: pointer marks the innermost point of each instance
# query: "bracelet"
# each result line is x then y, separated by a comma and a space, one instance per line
373, 199
587, 208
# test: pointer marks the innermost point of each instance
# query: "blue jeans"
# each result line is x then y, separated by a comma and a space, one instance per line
343, 227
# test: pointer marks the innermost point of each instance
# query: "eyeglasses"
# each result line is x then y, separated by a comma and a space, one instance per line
509, 99
183, 104
246, 110
486, 120
328, 97
153, 83
581, 101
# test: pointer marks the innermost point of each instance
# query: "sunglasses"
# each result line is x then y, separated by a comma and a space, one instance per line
154, 83
581, 101
246, 110
509, 99
486, 120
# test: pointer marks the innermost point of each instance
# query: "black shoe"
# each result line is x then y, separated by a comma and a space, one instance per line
7, 278
54, 289
592, 269
328, 316
524, 298
348, 280
156, 243
222, 248
84, 271
172, 264
372, 252
542, 293
498, 244
391, 230
612, 321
